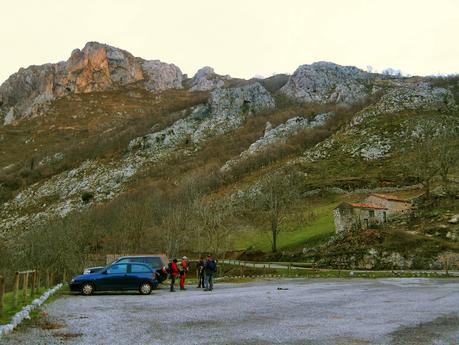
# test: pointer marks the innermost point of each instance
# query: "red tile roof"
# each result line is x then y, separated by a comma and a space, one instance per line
373, 206
389, 197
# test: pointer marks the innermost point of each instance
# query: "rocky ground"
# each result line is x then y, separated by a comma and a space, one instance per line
383, 311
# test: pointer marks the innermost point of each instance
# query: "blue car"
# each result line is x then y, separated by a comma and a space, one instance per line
118, 276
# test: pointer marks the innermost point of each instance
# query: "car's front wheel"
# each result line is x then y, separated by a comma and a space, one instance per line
87, 289
145, 288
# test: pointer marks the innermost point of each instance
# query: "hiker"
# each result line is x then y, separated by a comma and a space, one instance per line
173, 270
183, 272
200, 272
210, 267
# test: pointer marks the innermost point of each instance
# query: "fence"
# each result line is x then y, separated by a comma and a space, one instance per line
27, 283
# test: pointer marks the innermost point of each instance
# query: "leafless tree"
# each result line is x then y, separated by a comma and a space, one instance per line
277, 199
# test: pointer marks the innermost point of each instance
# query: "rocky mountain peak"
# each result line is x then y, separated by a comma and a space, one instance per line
96, 67
206, 79
326, 82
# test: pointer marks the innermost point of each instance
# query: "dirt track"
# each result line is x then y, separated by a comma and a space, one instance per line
383, 311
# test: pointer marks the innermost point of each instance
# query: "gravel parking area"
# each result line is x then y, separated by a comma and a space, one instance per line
358, 311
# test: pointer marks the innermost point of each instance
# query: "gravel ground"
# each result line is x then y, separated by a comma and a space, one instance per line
358, 311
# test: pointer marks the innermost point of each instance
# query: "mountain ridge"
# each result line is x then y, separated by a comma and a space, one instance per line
119, 132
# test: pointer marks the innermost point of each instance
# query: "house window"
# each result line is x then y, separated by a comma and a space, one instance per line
372, 213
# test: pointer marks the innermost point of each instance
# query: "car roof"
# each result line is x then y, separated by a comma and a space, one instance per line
141, 256
132, 263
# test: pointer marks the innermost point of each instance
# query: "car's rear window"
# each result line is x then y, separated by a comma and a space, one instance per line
154, 262
139, 269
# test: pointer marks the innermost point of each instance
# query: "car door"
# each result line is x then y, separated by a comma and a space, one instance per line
138, 274
114, 278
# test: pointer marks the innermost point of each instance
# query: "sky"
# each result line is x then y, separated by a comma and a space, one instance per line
242, 38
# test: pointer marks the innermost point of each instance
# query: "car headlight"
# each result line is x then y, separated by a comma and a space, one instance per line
72, 281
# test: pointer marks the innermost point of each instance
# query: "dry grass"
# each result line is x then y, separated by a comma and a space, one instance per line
84, 126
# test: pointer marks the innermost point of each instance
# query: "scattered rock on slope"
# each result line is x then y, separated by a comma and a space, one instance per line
61, 194
226, 110
280, 134
365, 137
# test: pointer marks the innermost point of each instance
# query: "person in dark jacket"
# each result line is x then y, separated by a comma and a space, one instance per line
200, 272
210, 267
174, 270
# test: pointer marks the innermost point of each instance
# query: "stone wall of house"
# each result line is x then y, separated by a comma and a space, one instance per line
362, 213
393, 207
347, 218
344, 219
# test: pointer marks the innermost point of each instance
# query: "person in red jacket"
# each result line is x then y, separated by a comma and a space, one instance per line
183, 272
173, 273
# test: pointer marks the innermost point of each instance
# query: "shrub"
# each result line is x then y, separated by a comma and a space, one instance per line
87, 196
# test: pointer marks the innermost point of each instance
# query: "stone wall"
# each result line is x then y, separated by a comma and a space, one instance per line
393, 207
347, 218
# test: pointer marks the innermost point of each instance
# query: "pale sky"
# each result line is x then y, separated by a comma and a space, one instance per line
242, 38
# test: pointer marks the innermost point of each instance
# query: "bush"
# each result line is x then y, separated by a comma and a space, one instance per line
87, 196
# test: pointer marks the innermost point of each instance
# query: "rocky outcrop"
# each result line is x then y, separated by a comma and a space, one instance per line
206, 79
226, 110
418, 97
247, 100
279, 135
96, 67
161, 76
325, 82
366, 136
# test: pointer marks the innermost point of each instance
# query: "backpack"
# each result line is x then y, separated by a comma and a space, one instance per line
169, 268
212, 266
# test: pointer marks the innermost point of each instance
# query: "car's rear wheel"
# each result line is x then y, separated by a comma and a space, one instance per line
145, 288
87, 289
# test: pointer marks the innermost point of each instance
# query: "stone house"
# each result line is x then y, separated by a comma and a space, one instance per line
375, 209
394, 204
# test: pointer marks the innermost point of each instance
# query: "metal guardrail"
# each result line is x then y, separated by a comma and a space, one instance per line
308, 266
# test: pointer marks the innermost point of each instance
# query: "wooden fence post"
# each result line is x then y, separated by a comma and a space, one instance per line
64, 278
25, 283
15, 289
47, 279
52, 278
2, 291
34, 283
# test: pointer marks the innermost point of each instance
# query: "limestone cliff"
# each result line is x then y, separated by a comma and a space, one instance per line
97, 67
326, 82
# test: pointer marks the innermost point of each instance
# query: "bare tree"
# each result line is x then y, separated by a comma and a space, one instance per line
435, 153
214, 225
448, 157
277, 199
